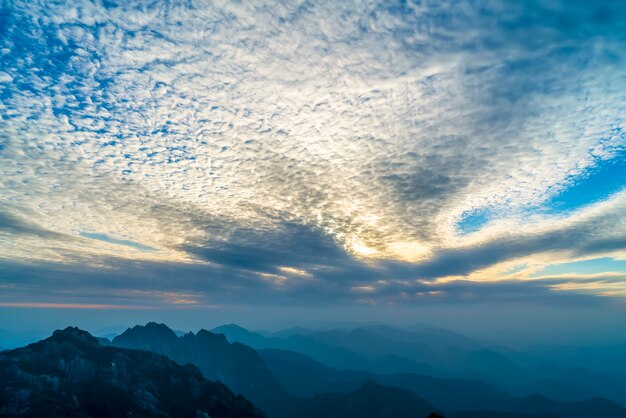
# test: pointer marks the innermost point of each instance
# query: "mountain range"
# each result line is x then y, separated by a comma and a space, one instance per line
441, 353
291, 379
150, 370
70, 374
306, 377
237, 365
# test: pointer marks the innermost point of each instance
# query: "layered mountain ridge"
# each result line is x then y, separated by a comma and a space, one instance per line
151, 370
71, 374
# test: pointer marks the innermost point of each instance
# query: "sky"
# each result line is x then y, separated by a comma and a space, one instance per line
460, 161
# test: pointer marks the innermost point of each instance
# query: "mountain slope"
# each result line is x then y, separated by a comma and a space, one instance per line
70, 374
368, 401
237, 365
242, 369
305, 377
337, 357
440, 353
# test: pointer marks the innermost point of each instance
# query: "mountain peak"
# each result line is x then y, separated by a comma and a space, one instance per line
75, 335
151, 330
208, 335
231, 327
157, 327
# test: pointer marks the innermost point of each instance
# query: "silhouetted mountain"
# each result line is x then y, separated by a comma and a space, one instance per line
386, 350
70, 374
372, 345
306, 377
337, 357
368, 401
434, 338
537, 404
237, 365
495, 414
234, 332
605, 358
12, 339
552, 389
242, 369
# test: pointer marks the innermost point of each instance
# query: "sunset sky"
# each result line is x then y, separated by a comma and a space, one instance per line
348, 160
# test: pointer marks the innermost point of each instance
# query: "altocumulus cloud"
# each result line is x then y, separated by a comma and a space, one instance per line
370, 151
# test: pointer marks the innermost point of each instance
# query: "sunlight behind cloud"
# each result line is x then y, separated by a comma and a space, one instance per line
324, 140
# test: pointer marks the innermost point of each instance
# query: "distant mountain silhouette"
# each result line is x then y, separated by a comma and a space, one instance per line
440, 353
495, 414
13, 339
603, 358
70, 374
74, 374
553, 389
371, 400
242, 369
597, 407
306, 377
238, 366
322, 351
434, 338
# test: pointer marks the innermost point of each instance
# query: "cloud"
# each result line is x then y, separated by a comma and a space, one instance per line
345, 141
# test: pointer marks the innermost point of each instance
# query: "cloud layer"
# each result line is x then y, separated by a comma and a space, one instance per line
307, 149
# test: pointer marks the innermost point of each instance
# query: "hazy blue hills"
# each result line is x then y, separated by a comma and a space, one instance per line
439, 353
553, 389
296, 379
306, 377
150, 370
370, 400
604, 358
70, 374
11, 339
336, 356
244, 371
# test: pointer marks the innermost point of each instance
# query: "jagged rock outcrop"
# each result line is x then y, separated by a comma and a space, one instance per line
70, 374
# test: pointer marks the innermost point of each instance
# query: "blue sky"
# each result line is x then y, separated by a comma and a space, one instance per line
211, 155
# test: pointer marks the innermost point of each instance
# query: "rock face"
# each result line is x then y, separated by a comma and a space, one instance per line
237, 365
70, 374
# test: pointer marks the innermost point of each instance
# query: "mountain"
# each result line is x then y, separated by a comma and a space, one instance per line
434, 338
597, 407
496, 414
243, 370
236, 365
305, 377
12, 339
603, 358
552, 389
337, 357
368, 401
373, 345
70, 374
441, 353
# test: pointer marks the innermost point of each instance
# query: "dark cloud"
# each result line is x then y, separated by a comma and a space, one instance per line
11, 224
290, 245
